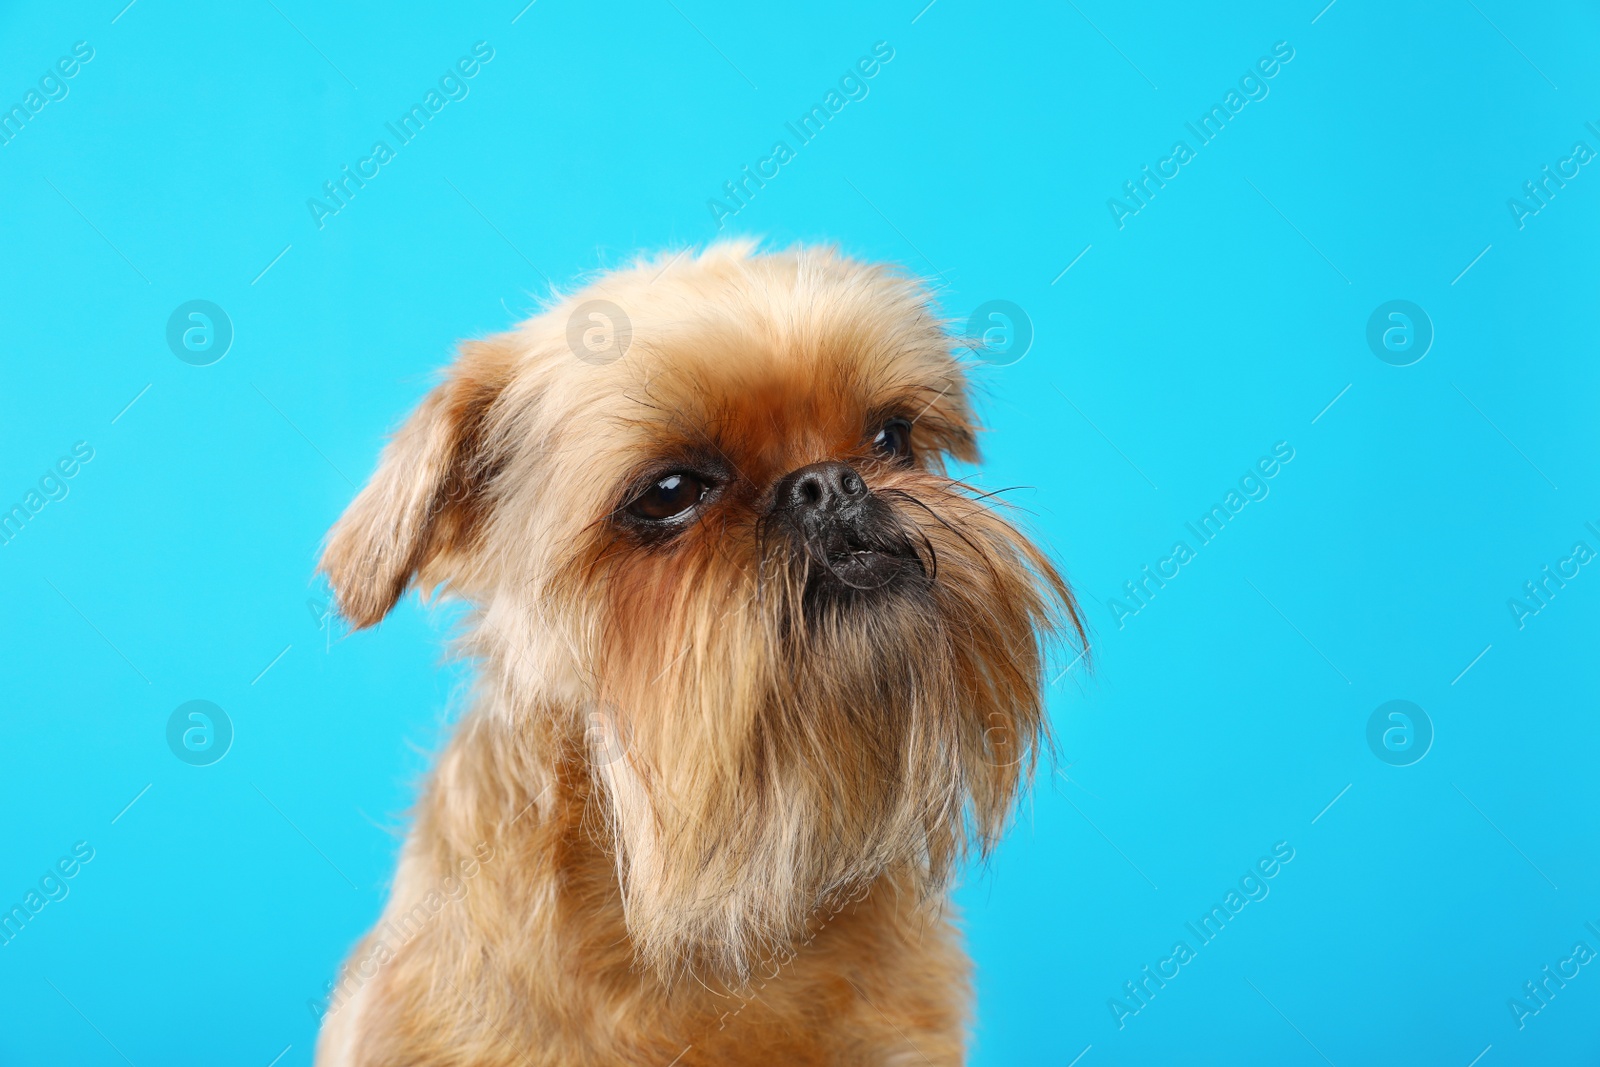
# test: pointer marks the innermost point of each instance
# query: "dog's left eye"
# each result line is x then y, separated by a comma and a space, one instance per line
893, 441
669, 497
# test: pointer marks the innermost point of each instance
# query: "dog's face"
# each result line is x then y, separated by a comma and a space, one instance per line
725, 566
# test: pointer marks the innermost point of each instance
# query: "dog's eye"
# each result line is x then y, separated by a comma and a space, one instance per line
669, 497
893, 440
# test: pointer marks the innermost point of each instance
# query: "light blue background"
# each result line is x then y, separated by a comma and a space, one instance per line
1223, 318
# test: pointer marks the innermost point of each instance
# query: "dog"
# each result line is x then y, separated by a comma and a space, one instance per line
756, 676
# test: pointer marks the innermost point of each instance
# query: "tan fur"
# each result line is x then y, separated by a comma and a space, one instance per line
693, 818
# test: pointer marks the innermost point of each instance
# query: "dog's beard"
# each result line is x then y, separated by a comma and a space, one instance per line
792, 734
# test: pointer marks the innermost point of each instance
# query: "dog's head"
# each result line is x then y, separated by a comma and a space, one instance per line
702, 510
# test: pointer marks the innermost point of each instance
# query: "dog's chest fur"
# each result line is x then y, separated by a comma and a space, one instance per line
520, 955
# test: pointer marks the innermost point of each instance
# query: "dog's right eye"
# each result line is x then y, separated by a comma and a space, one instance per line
670, 497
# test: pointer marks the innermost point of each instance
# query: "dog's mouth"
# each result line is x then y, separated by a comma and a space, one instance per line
851, 564
860, 566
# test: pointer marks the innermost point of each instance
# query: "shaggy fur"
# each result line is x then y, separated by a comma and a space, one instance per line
707, 802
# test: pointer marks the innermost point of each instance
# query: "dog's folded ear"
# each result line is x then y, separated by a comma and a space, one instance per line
426, 499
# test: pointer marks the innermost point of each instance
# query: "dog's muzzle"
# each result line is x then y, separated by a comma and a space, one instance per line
849, 534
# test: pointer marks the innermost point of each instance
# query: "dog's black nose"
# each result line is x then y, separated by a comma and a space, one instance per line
821, 489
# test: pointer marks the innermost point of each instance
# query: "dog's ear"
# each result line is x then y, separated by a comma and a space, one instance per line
426, 498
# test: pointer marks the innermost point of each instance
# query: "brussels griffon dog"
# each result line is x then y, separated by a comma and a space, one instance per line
755, 676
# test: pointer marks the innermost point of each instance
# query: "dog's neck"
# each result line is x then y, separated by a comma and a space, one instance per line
522, 927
